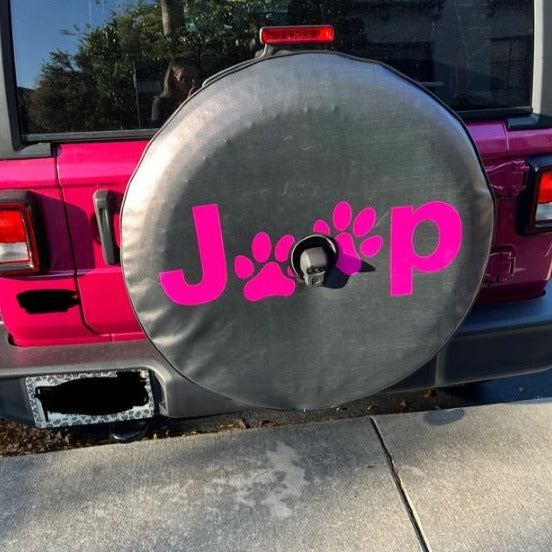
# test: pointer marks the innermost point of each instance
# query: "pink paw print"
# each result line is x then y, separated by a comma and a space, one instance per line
270, 280
348, 260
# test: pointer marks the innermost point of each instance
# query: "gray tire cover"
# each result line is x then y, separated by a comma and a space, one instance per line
280, 148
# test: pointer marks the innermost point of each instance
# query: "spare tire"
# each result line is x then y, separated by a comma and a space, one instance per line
267, 154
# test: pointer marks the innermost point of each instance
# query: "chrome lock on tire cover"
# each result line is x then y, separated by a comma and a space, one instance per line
276, 150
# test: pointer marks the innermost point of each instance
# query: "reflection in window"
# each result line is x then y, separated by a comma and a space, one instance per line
96, 65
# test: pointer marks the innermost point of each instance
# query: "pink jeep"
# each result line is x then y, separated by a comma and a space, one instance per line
206, 205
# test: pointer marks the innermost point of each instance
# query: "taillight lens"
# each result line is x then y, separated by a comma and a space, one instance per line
543, 211
12, 227
307, 34
18, 246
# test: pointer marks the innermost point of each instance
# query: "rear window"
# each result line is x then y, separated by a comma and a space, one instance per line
112, 65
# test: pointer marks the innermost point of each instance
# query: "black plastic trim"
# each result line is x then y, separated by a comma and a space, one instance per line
105, 212
493, 114
93, 136
495, 341
523, 113
13, 401
530, 122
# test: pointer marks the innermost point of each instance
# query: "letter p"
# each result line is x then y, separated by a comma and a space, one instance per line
404, 259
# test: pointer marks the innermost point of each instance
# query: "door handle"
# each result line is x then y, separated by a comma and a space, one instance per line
104, 201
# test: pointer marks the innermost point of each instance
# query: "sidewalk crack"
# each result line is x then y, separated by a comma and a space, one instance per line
400, 488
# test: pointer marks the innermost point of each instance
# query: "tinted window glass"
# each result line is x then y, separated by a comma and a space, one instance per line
94, 65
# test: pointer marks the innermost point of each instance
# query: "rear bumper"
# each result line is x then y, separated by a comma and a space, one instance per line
493, 342
175, 396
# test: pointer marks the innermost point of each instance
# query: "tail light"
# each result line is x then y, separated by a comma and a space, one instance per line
18, 242
535, 202
543, 204
307, 34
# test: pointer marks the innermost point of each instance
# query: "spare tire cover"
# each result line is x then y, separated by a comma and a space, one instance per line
268, 154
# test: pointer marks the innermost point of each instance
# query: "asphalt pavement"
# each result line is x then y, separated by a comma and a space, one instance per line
472, 478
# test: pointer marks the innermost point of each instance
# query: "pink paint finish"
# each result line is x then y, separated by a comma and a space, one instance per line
39, 176
98, 287
508, 179
270, 280
348, 260
491, 139
524, 143
83, 169
506, 165
213, 263
404, 260
55, 328
25, 174
84, 165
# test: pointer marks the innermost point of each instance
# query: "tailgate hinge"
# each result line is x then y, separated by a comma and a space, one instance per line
501, 265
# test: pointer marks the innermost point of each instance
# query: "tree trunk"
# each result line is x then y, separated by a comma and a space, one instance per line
171, 12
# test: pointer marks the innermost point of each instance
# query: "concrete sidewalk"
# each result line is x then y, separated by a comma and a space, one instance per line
471, 479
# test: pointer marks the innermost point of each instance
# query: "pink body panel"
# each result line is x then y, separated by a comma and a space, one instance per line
504, 154
105, 312
83, 169
39, 175
490, 139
